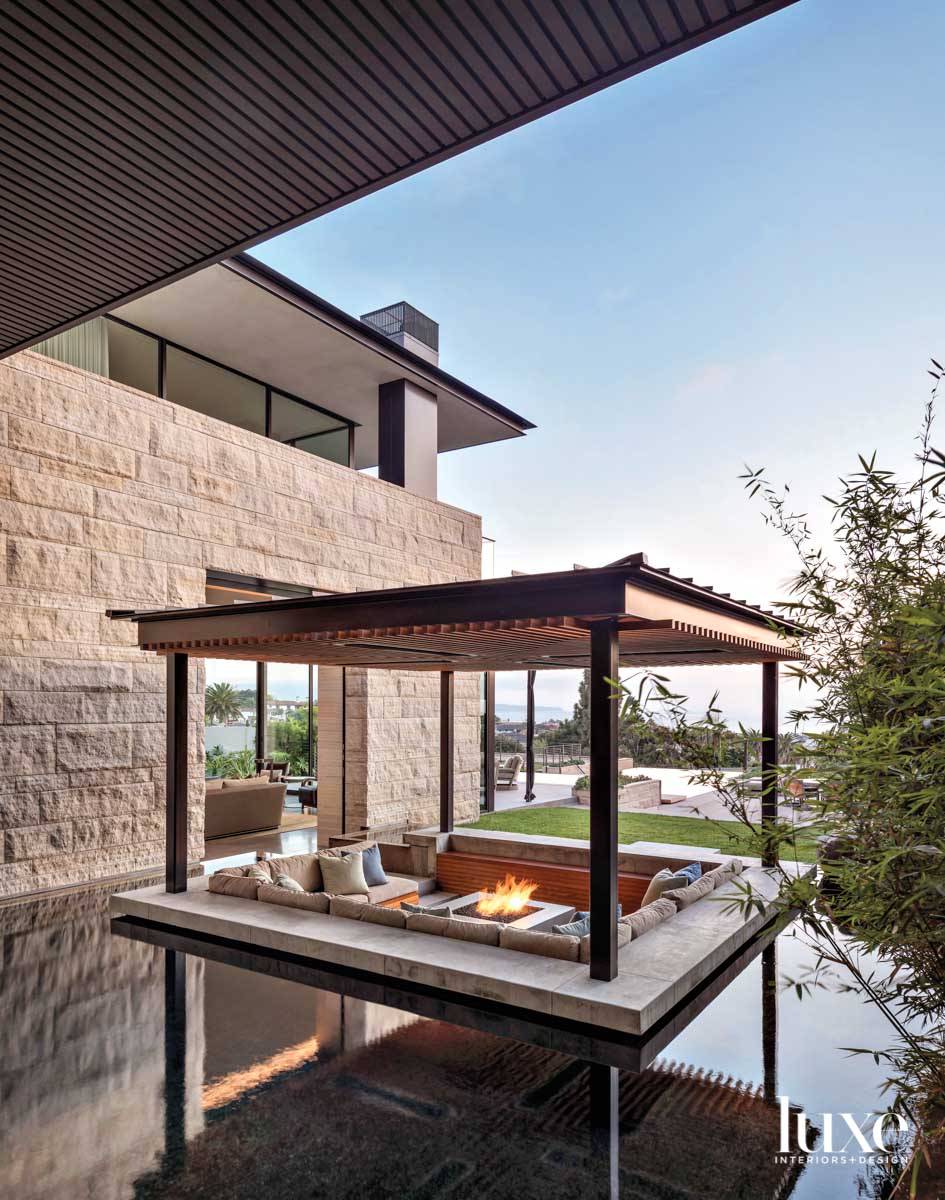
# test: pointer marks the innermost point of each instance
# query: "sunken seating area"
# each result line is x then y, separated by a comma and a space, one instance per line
395, 903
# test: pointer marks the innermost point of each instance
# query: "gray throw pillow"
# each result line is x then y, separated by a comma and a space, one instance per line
574, 928
372, 866
430, 910
290, 884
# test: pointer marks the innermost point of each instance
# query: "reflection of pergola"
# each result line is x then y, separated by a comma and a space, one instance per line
626, 614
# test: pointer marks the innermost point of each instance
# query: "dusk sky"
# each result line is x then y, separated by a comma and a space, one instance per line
735, 257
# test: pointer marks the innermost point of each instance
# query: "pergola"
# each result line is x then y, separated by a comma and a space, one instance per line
627, 614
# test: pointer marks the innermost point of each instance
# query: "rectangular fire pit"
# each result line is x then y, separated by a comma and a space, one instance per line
538, 914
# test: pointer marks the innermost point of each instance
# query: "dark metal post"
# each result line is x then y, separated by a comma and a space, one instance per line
530, 738
446, 751
603, 799
604, 1085
769, 1021
769, 749
489, 742
176, 773
175, 1059
260, 713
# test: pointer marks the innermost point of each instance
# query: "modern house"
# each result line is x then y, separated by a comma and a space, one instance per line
209, 442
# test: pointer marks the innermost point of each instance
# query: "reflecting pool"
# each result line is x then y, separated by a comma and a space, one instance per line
130, 1069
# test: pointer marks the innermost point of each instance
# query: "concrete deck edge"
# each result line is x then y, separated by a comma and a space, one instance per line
657, 971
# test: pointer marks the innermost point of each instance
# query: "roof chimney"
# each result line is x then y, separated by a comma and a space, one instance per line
408, 327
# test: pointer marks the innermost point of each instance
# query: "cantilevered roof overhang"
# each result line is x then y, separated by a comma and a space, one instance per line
242, 313
530, 622
139, 143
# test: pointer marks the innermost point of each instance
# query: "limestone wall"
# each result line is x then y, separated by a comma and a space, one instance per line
110, 498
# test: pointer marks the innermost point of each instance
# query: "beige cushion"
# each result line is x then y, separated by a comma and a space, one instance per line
395, 887
423, 923
683, 897
645, 919
232, 882
624, 934
533, 941
213, 785
486, 933
347, 906
343, 876
725, 872
663, 881
303, 868
383, 916
252, 781
310, 901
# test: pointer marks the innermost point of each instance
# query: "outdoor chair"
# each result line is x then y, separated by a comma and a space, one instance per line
507, 773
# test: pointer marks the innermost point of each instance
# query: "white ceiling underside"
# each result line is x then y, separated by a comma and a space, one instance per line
221, 314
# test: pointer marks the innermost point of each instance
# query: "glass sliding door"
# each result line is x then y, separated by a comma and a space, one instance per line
292, 716
230, 718
308, 429
196, 383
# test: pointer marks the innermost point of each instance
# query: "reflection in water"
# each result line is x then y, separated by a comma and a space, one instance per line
134, 1070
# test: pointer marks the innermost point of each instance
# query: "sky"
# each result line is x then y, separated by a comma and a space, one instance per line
733, 258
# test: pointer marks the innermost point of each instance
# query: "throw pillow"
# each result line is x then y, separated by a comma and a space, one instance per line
373, 868
664, 881
576, 928
290, 884
692, 872
580, 926
343, 876
258, 872
431, 910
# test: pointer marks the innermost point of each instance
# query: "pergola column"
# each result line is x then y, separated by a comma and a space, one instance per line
447, 742
769, 750
603, 799
489, 743
176, 773
530, 737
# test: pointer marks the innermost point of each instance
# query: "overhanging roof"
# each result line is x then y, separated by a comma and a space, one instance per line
242, 313
520, 623
141, 142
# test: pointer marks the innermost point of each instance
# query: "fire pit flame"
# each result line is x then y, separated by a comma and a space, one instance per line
510, 896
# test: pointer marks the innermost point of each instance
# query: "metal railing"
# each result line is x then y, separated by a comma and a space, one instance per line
404, 318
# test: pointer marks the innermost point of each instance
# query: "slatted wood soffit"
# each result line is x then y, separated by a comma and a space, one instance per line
139, 142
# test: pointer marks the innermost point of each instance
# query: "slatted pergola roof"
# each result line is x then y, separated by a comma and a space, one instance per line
531, 622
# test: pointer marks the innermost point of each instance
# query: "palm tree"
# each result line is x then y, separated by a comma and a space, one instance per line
221, 704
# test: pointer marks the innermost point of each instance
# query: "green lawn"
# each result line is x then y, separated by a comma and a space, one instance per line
635, 827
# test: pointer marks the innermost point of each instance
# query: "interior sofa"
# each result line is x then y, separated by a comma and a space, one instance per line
242, 806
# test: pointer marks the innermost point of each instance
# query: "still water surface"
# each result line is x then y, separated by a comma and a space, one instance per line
131, 1071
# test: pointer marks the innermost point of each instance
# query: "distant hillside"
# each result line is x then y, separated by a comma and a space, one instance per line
543, 712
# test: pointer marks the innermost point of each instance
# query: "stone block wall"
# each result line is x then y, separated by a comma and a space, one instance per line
111, 498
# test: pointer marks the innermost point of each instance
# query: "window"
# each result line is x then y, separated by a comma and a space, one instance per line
133, 358
308, 429
207, 388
